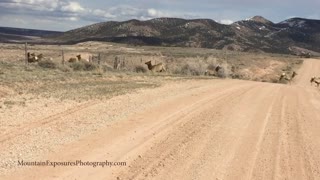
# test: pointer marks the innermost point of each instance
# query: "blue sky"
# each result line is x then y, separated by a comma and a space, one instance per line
65, 15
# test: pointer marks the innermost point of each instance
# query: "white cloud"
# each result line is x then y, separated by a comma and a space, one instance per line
156, 13
99, 12
72, 7
70, 10
73, 19
36, 4
125, 11
43, 5
226, 21
152, 12
102, 13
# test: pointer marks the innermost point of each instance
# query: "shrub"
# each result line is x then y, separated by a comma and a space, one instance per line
237, 76
106, 68
77, 66
274, 80
89, 66
47, 64
222, 73
190, 70
64, 68
140, 69
211, 67
83, 66
98, 72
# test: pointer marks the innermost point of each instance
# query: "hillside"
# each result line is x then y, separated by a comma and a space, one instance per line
257, 34
8, 34
254, 34
162, 31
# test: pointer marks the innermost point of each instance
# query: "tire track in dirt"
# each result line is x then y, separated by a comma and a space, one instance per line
217, 148
184, 130
279, 160
46, 121
230, 142
309, 126
267, 139
156, 127
234, 146
2, 94
295, 163
304, 165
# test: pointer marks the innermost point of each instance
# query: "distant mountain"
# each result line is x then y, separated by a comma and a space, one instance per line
256, 34
8, 34
161, 31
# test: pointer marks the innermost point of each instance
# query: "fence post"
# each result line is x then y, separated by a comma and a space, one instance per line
123, 63
62, 55
99, 58
26, 53
115, 63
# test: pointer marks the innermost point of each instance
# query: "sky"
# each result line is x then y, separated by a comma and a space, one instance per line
63, 15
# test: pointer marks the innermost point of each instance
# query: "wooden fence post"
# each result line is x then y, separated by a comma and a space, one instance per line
62, 55
123, 63
99, 59
26, 53
115, 63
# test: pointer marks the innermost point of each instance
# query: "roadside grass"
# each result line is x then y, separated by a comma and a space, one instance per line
73, 85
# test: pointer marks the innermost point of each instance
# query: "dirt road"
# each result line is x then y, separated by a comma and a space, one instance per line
219, 129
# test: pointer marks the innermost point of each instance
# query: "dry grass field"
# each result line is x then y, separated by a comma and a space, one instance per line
96, 80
